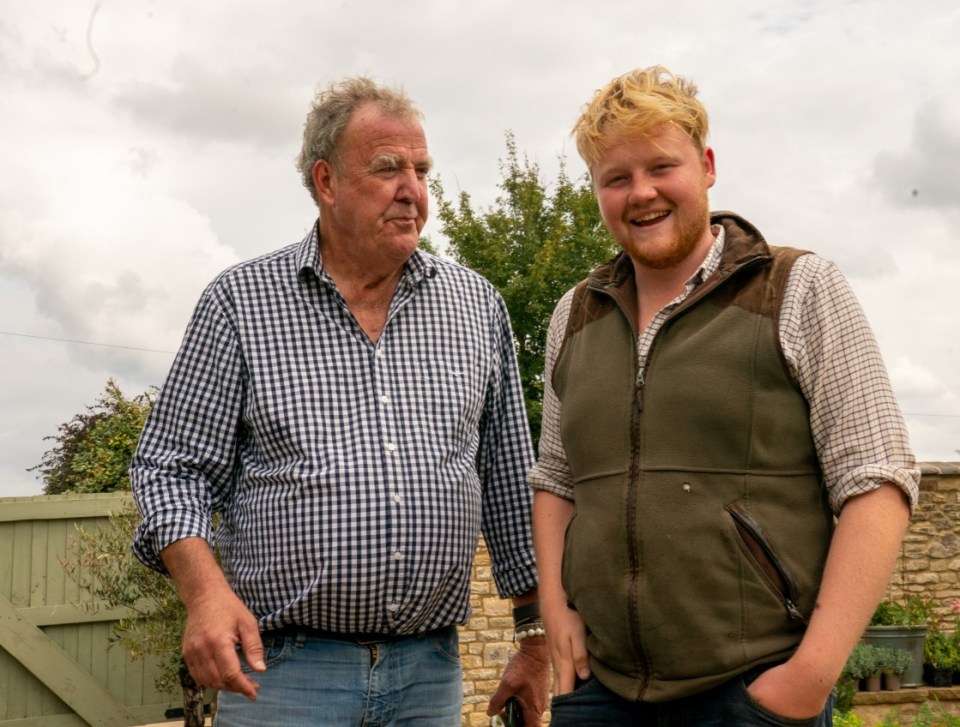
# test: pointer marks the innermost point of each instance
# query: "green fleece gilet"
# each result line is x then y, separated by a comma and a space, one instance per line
701, 525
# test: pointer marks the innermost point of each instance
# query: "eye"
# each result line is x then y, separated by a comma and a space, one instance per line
616, 180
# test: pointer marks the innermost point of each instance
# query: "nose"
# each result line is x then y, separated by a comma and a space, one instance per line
410, 186
642, 189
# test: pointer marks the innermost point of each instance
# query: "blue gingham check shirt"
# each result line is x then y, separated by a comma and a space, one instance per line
352, 477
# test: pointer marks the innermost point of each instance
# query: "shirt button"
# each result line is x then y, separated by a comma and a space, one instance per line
398, 555
384, 399
393, 607
397, 498
391, 446
379, 353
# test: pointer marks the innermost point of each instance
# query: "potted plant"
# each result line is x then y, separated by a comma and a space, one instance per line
894, 662
863, 665
902, 625
937, 669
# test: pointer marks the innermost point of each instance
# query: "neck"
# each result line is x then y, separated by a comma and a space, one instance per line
656, 287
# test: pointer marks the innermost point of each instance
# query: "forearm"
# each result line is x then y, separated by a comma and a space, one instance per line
217, 621
551, 515
861, 559
194, 570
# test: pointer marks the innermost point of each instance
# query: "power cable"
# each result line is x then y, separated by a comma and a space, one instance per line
84, 343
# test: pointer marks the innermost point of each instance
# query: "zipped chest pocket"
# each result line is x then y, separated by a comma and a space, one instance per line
764, 559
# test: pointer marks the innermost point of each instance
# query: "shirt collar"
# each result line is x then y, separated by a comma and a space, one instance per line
419, 266
711, 263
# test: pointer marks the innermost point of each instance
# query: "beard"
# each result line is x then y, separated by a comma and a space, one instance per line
691, 225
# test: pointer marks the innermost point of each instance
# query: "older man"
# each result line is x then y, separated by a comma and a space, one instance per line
351, 408
711, 403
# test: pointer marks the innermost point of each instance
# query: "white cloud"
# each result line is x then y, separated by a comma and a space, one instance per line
149, 148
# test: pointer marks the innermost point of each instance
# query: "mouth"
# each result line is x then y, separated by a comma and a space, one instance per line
649, 219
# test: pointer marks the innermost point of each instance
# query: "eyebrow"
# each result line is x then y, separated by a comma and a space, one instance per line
391, 161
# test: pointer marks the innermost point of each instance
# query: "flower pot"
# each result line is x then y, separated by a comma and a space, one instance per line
872, 683
892, 682
910, 638
936, 676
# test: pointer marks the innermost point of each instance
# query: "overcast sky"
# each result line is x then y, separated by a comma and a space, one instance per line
147, 144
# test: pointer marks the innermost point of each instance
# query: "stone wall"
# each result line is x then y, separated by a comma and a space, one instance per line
930, 558
486, 642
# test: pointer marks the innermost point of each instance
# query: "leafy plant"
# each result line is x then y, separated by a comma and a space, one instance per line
896, 661
927, 717
846, 719
864, 661
936, 648
951, 651
846, 687
914, 611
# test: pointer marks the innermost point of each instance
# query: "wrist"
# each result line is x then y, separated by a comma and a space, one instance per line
527, 623
819, 674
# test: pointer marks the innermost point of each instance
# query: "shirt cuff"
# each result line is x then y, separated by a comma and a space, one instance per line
869, 477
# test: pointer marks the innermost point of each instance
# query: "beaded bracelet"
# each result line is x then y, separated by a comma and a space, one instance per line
533, 627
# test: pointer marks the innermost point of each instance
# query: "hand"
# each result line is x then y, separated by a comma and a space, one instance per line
791, 691
215, 625
567, 640
526, 676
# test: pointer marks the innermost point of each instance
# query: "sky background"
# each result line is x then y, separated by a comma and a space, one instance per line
147, 144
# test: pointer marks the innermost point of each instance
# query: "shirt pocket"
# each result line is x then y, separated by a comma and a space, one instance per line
450, 399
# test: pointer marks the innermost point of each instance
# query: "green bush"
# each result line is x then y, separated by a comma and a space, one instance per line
846, 719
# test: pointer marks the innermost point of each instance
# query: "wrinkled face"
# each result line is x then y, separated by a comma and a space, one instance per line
652, 192
375, 203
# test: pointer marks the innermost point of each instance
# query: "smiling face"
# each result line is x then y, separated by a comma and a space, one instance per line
374, 204
652, 192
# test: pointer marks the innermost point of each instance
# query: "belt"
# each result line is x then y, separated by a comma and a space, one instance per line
308, 632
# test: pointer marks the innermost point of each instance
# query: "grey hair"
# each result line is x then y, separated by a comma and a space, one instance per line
331, 111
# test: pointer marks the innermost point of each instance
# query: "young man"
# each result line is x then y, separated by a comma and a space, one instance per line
351, 408
711, 403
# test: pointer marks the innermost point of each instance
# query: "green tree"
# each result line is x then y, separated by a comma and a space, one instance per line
93, 450
534, 243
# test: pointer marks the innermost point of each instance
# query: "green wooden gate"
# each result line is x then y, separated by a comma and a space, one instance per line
58, 667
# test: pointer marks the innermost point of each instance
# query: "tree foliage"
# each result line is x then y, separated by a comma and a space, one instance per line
93, 450
533, 244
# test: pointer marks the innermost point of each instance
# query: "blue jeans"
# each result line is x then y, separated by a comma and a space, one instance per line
730, 705
315, 682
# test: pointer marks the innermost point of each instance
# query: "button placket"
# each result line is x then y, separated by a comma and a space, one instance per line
390, 436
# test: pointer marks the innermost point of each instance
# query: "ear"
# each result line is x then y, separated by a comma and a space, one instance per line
709, 167
325, 182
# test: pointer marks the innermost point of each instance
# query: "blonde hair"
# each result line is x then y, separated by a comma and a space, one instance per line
636, 104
